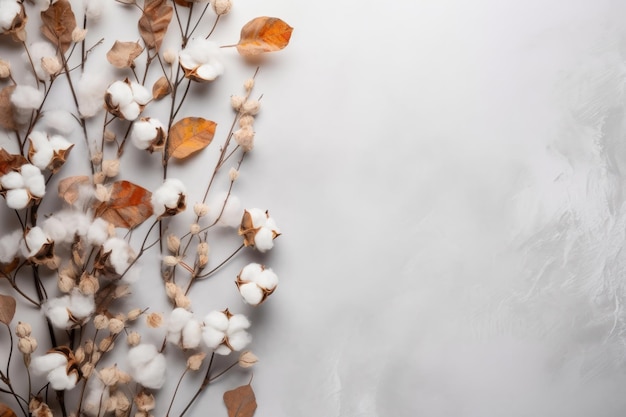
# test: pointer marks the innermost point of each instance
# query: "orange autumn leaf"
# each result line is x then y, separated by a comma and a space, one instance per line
69, 187
58, 24
240, 402
128, 207
188, 136
7, 308
5, 411
154, 21
161, 88
263, 34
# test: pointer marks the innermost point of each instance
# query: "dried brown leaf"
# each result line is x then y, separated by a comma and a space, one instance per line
7, 308
161, 88
10, 162
69, 187
7, 120
123, 54
128, 207
188, 136
240, 402
183, 3
5, 411
154, 21
263, 34
58, 24
7, 268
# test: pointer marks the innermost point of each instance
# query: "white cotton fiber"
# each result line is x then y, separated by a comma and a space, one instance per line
56, 310
43, 151
81, 305
147, 366
130, 111
90, 93
12, 180
250, 272
216, 320
98, 232
33, 241
141, 95
192, 334
8, 10
143, 134
212, 337
264, 239
258, 216
60, 121
93, 9
121, 94
267, 279
60, 380
55, 229
239, 340
76, 222
25, 97
141, 354
43, 364
120, 253
237, 323
178, 319
9, 246
17, 199
39, 50
231, 215
251, 293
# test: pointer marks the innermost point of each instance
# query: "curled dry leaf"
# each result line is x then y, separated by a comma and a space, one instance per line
5, 411
188, 136
7, 309
10, 162
69, 187
123, 54
128, 207
240, 402
7, 120
263, 34
161, 88
154, 21
58, 24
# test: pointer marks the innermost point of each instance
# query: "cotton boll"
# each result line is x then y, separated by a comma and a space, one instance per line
251, 293
120, 256
222, 350
81, 305
25, 97
60, 380
34, 180
17, 199
130, 111
43, 364
93, 9
212, 337
217, 320
55, 229
167, 196
239, 340
258, 216
12, 180
141, 95
264, 239
60, 121
270, 223
178, 320
56, 310
121, 93
90, 92
33, 241
98, 232
10, 9
9, 246
237, 323
152, 374
201, 60
141, 354
192, 334
41, 150
250, 272
76, 223
59, 143
230, 215
143, 134
267, 279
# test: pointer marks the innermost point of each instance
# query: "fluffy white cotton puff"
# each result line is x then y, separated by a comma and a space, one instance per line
20, 186
60, 121
125, 98
261, 232
25, 97
147, 366
97, 396
121, 254
9, 246
201, 60
12, 180
98, 232
34, 181
65, 224
41, 150
224, 332
141, 95
251, 293
38, 51
255, 283
78, 305
93, 8
81, 305
231, 215
8, 10
33, 241
54, 366
17, 199
89, 92
183, 329
167, 196
145, 132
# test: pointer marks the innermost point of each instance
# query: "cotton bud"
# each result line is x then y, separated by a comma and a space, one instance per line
126, 99
182, 301
100, 322
248, 84
221, 7
154, 320
23, 329
245, 138
65, 283
195, 361
88, 284
148, 134
5, 69
106, 344
38, 408
123, 377
171, 260
109, 136
79, 354
78, 34
51, 65
237, 102
145, 401
233, 174
111, 167
134, 314
87, 369
108, 376
246, 120
251, 107
194, 229
27, 345
99, 177
133, 339
116, 326
203, 249
247, 359
200, 209
173, 243
170, 56
89, 347
171, 290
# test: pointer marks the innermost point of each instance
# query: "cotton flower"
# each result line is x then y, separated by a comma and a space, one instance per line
147, 366
169, 198
59, 366
126, 99
255, 283
183, 329
118, 254
68, 310
48, 152
89, 91
201, 60
258, 229
149, 134
224, 332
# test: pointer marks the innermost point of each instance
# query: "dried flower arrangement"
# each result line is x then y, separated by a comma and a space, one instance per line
77, 263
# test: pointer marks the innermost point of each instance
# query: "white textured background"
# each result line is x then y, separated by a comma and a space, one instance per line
450, 178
